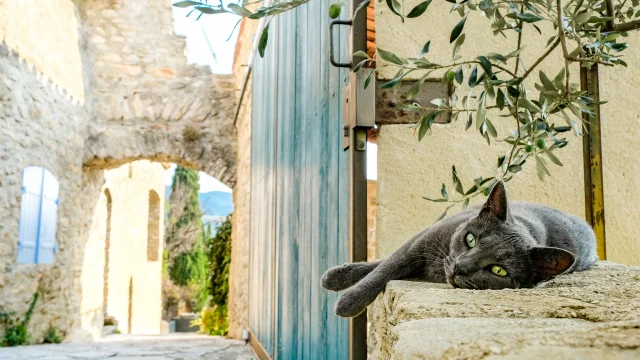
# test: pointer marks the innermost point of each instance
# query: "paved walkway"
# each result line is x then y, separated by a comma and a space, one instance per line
120, 347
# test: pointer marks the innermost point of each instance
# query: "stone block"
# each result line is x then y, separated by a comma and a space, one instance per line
594, 314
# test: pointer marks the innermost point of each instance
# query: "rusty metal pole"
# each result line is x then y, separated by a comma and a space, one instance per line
362, 120
592, 156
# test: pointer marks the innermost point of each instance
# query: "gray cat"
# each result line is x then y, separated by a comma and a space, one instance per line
496, 246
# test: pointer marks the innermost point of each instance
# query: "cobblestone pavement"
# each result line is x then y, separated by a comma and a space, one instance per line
151, 347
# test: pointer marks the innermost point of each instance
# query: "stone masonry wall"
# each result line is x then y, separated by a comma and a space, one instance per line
42, 127
148, 102
239, 269
592, 314
121, 92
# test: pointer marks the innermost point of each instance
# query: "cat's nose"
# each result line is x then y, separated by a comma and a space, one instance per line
459, 270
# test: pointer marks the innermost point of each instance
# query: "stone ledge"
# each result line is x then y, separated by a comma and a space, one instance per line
593, 314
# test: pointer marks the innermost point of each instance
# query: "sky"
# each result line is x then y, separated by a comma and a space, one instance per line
216, 29
207, 183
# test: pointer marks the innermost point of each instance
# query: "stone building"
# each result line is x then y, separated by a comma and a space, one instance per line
122, 264
97, 93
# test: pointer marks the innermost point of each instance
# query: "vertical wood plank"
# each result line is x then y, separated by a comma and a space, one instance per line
310, 226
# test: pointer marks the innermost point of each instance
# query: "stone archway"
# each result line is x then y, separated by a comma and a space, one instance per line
146, 102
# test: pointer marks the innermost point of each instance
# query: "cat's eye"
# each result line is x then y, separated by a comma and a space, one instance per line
471, 240
498, 270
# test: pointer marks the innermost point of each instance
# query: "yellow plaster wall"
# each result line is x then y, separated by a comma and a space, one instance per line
409, 170
45, 34
128, 259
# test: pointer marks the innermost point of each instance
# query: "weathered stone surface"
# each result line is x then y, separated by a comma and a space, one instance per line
239, 268
53, 141
593, 314
145, 81
167, 347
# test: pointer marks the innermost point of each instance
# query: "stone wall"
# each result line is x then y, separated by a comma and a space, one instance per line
130, 202
239, 269
591, 314
121, 92
148, 103
39, 126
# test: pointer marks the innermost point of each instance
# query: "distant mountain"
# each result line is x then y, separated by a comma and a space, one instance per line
215, 205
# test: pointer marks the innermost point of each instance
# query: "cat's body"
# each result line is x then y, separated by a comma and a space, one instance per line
495, 246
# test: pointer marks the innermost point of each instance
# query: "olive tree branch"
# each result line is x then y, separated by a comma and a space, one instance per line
520, 26
452, 65
541, 58
563, 40
515, 143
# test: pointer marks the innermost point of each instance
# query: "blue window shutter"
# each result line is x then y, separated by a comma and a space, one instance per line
48, 220
32, 181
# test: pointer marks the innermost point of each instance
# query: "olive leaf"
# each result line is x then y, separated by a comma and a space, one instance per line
239, 10
390, 57
457, 30
264, 38
419, 9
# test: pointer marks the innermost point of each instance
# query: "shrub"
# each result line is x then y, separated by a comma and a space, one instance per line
51, 337
214, 321
219, 248
17, 332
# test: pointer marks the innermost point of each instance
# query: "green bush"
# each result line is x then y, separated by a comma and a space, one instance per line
17, 332
51, 337
214, 321
219, 248
189, 270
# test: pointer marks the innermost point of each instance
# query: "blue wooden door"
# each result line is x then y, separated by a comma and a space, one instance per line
299, 183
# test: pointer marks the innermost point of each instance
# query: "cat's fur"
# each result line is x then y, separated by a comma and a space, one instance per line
533, 243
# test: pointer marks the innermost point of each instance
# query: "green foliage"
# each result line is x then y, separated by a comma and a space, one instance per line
189, 267
191, 214
117, 331
219, 248
17, 332
52, 337
214, 321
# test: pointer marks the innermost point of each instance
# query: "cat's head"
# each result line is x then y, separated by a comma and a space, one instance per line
491, 252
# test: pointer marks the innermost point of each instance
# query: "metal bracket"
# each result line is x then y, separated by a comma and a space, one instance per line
358, 110
333, 61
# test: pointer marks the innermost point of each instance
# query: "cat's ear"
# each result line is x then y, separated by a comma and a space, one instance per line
496, 204
550, 262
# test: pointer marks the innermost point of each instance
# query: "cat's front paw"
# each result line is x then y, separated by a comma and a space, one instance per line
334, 278
350, 304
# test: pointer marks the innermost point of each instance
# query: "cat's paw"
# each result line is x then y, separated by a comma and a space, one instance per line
350, 304
335, 278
